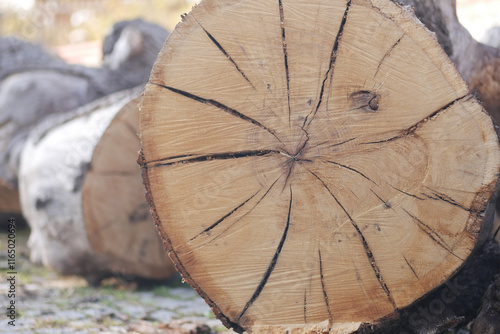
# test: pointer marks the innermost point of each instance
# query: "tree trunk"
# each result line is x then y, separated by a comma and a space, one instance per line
314, 166
56, 161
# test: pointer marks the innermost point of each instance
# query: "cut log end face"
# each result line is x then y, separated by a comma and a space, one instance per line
313, 163
117, 217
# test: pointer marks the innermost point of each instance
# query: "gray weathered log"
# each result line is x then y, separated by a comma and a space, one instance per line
31, 90
54, 166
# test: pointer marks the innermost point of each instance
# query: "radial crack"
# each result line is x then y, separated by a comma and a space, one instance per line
249, 211
272, 265
225, 217
333, 58
432, 234
409, 265
407, 194
285, 56
415, 126
352, 170
325, 295
305, 306
387, 54
226, 54
342, 143
369, 254
169, 158
220, 106
387, 205
218, 156
447, 199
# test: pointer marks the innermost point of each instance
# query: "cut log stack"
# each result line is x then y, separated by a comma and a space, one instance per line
75, 191
314, 166
34, 85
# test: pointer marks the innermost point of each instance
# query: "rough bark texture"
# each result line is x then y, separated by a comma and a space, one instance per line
18, 56
345, 182
55, 162
34, 85
488, 320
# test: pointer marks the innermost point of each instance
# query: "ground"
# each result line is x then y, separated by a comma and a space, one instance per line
49, 303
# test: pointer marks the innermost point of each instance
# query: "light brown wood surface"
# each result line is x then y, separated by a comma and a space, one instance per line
313, 165
115, 211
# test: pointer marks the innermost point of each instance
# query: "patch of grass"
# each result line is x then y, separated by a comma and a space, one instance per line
120, 294
162, 291
49, 323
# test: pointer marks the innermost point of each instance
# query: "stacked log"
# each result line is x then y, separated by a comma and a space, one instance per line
34, 84
58, 167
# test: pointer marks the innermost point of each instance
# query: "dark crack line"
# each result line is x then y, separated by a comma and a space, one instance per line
325, 295
368, 251
433, 235
249, 211
224, 217
220, 106
496, 232
407, 194
212, 38
299, 149
409, 265
388, 53
218, 156
352, 170
305, 306
414, 127
334, 197
169, 158
285, 56
272, 265
447, 199
333, 58
342, 143
386, 203
290, 168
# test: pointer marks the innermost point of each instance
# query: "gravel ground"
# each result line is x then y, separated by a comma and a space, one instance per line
49, 303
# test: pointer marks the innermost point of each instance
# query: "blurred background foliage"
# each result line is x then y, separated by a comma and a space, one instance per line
59, 22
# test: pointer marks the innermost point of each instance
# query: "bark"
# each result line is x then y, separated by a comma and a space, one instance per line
55, 163
487, 322
305, 188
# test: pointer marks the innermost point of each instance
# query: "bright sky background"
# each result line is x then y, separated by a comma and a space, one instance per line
16, 4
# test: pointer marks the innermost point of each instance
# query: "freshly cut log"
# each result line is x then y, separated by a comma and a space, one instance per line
313, 165
54, 166
115, 212
478, 63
